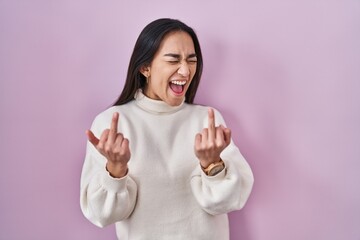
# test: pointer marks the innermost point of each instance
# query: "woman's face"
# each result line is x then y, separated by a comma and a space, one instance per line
172, 69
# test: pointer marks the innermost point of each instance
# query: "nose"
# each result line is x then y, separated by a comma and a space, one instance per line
184, 70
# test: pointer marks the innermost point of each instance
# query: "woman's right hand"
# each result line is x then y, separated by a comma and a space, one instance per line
114, 147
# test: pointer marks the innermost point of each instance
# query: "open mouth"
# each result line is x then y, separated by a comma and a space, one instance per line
177, 86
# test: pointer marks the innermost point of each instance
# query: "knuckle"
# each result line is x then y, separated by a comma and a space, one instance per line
116, 150
107, 148
211, 145
198, 148
122, 152
100, 146
220, 143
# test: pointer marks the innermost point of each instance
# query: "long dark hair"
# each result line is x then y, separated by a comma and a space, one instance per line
144, 51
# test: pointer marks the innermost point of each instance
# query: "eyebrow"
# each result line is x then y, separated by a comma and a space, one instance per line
174, 55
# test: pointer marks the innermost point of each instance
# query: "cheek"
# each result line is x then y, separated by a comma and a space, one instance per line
164, 73
193, 71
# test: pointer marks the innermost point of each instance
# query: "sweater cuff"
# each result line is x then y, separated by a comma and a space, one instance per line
113, 184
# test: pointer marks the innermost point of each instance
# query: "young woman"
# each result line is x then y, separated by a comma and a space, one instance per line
157, 165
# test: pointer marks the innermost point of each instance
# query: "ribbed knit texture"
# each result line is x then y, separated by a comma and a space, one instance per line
165, 195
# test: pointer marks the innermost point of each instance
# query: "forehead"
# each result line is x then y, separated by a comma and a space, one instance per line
177, 42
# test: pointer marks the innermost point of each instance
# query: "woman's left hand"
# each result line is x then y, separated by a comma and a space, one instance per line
211, 141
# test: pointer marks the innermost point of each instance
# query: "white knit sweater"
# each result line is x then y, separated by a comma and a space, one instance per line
165, 195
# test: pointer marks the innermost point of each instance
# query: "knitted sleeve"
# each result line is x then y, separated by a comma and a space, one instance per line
104, 200
229, 189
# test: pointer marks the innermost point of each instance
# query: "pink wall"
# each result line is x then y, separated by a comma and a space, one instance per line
285, 75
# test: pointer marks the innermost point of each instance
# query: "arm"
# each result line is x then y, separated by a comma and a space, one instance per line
108, 193
228, 190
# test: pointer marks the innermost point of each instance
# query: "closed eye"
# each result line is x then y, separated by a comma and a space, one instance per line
173, 61
192, 60
175, 58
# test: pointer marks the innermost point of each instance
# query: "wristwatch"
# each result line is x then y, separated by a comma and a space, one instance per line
214, 168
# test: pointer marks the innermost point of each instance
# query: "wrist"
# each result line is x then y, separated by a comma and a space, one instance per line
214, 168
206, 163
116, 170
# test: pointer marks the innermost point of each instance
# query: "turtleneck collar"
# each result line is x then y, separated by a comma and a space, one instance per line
154, 106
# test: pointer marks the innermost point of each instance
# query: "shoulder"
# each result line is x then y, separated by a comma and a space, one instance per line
103, 119
202, 111
202, 108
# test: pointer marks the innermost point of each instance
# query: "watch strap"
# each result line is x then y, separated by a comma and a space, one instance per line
214, 168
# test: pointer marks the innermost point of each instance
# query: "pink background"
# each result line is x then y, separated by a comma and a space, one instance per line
285, 75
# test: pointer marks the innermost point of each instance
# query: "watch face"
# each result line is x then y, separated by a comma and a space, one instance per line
216, 170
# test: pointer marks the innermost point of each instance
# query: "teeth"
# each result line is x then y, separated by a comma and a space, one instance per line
179, 82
